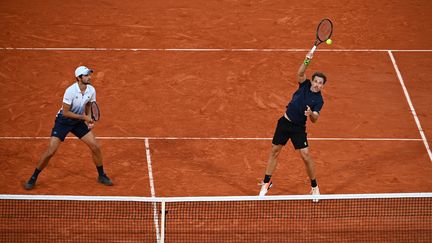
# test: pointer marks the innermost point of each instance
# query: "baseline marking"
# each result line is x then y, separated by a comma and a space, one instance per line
218, 138
413, 112
202, 49
152, 189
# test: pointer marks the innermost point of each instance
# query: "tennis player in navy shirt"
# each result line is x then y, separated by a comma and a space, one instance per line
74, 117
306, 102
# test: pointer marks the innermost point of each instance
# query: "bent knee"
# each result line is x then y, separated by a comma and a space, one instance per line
95, 148
276, 149
304, 153
50, 153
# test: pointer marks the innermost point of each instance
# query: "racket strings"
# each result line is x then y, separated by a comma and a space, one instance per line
95, 111
324, 30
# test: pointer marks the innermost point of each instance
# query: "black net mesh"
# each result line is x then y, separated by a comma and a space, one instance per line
359, 220
76, 221
330, 220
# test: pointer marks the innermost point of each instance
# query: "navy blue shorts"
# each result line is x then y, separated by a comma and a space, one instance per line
62, 128
286, 130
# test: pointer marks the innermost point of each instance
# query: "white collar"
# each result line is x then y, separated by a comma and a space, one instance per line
78, 88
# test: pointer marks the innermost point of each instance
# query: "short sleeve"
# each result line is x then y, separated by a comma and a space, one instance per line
68, 97
306, 83
318, 107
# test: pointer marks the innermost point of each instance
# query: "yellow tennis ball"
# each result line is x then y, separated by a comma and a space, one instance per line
329, 42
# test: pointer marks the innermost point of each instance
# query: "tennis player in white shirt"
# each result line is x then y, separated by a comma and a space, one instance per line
74, 117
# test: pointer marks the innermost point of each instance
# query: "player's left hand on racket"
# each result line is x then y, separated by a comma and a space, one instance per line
88, 121
86, 118
90, 125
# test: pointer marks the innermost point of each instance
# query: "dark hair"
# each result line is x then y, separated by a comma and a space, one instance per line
321, 75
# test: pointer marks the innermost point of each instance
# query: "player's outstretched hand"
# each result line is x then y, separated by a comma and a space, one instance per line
308, 111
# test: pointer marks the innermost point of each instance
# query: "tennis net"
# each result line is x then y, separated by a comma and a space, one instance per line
335, 218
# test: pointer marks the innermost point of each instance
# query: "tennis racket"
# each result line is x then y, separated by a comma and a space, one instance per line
95, 112
324, 32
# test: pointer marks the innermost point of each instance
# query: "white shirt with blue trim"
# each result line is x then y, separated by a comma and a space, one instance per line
78, 100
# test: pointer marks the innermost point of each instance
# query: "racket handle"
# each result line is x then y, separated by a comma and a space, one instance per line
313, 49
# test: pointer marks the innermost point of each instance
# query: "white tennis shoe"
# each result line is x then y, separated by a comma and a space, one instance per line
265, 187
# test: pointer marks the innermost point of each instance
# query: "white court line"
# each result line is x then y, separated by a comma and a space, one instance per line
203, 49
218, 138
413, 112
152, 189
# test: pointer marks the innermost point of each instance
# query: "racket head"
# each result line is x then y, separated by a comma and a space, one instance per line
95, 112
324, 30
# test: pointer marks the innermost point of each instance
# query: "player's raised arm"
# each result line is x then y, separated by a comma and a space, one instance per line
323, 34
302, 69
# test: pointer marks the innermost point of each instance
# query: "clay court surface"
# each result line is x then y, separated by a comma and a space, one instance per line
205, 90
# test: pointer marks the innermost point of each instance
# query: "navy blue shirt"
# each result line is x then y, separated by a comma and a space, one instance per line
300, 99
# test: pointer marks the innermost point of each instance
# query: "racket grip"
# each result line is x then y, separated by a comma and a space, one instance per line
313, 49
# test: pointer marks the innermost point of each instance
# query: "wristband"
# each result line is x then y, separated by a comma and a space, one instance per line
306, 61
